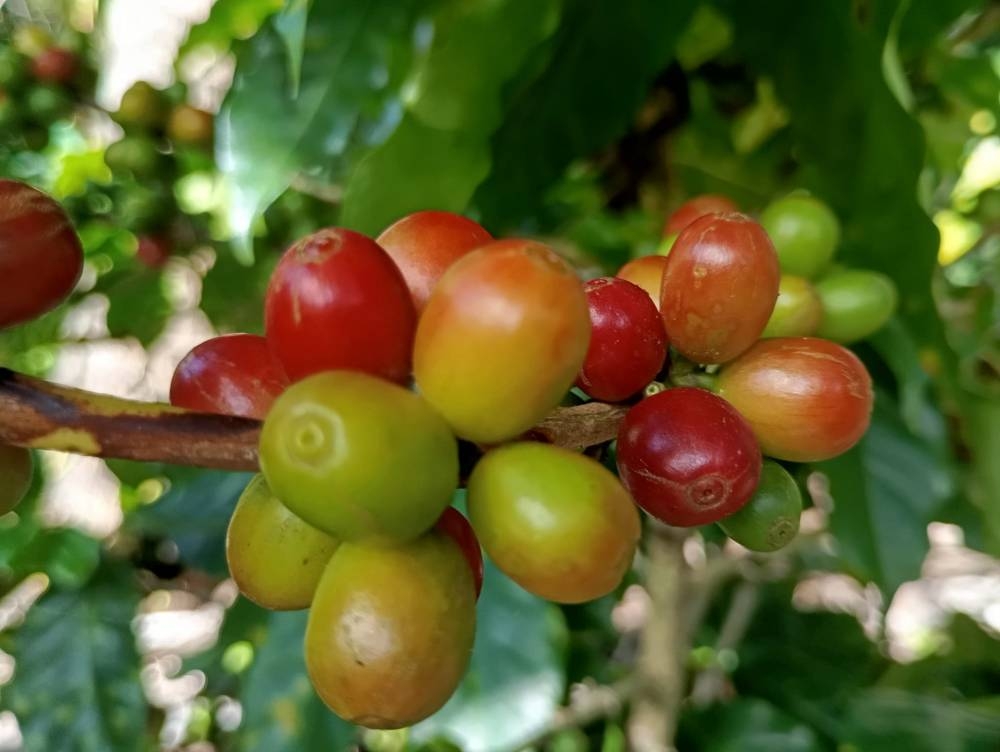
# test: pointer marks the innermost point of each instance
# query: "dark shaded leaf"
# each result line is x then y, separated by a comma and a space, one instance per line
750, 725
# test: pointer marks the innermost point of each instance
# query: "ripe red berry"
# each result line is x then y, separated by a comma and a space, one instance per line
337, 301
719, 287
807, 399
40, 254
688, 457
235, 374
153, 250
55, 65
426, 243
455, 526
627, 341
695, 208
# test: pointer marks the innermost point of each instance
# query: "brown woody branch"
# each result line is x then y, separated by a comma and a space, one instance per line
39, 414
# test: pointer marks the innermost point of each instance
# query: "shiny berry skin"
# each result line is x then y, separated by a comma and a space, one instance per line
502, 339
719, 287
688, 457
390, 630
235, 374
15, 476
275, 558
359, 457
426, 243
807, 399
770, 520
856, 303
695, 208
55, 65
556, 522
153, 251
337, 301
40, 254
647, 273
455, 526
627, 341
805, 233
798, 310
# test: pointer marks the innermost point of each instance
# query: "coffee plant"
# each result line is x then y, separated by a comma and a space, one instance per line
568, 376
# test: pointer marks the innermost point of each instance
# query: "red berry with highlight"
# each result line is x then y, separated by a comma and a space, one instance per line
426, 243
235, 374
627, 342
688, 457
695, 208
336, 301
56, 65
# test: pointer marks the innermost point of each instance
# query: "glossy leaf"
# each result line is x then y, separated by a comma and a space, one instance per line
77, 683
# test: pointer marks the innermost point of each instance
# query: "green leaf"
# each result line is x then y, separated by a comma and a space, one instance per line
981, 425
753, 725
885, 492
440, 151
139, 304
515, 681
67, 556
581, 91
858, 149
280, 709
887, 720
76, 686
291, 25
356, 55
194, 514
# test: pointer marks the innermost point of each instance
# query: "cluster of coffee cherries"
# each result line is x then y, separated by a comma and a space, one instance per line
40, 82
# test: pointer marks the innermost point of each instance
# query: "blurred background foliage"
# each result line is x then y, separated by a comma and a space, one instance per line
583, 122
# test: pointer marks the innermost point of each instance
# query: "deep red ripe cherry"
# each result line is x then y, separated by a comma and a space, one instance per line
153, 250
55, 65
454, 524
426, 243
699, 206
688, 457
807, 399
235, 374
336, 301
719, 287
40, 253
627, 341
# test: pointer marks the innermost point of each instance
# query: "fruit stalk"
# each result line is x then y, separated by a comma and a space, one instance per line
652, 723
42, 415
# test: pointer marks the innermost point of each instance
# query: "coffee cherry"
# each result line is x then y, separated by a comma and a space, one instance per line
556, 522
627, 341
688, 457
770, 520
805, 233
275, 558
153, 251
337, 301
647, 273
136, 154
425, 244
695, 208
189, 125
10, 114
45, 103
55, 65
359, 457
719, 287
807, 399
390, 630
798, 310
15, 476
502, 339
455, 526
40, 254
234, 374
141, 105
856, 303
31, 40
13, 66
